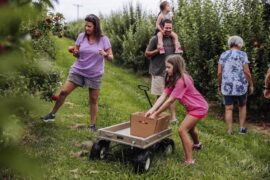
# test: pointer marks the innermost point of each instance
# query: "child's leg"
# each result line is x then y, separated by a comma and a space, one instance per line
188, 123
194, 136
176, 43
160, 39
175, 39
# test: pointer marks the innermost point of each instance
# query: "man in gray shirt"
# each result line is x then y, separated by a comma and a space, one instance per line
157, 61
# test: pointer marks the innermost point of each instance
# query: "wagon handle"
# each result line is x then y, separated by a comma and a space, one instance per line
145, 89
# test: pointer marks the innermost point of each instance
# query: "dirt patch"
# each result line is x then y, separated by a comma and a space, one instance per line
78, 154
77, 126
263, 128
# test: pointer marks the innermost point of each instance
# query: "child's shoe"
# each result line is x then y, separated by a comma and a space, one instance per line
197, 146
187, 163
178, 50
48, 118
92, 128
243, 131
161, 50
174, 121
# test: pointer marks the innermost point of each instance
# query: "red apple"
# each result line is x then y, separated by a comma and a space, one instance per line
71, 49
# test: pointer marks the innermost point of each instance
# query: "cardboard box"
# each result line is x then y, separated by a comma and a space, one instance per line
144, 127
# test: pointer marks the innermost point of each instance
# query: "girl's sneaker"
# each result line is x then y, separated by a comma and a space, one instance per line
197, 146
187, 163
92, 128
161, 50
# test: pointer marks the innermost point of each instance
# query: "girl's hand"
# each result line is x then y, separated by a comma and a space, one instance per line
153, 116
149, 113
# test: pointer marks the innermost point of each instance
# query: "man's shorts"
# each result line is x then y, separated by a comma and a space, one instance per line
157, 85
241, 100
92, 83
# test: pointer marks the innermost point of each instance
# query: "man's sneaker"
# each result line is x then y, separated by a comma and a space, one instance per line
48, 118
92, 128
197, 146
243, 131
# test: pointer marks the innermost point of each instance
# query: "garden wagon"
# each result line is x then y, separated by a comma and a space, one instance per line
138, 150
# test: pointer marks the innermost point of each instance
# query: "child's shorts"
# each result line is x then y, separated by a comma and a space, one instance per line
92, 83
241, 100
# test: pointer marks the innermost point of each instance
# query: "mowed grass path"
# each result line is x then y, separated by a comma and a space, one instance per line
223, 156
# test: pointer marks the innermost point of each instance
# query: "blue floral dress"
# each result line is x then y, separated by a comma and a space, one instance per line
234, 82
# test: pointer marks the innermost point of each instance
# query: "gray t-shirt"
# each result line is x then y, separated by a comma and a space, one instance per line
157, 62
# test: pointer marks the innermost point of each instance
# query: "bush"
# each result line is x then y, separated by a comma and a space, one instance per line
23, 76
204, 27
130, 31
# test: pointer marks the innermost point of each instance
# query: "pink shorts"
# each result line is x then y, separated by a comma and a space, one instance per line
198, 116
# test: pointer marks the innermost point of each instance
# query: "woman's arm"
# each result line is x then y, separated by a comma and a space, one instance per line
76, 51
107, 54
157, 104
248, 77
219, 76
163, 107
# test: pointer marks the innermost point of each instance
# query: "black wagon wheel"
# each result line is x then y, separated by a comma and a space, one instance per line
99, 150
167, 146
143, 161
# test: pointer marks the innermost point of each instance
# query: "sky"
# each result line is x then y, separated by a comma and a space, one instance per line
69, 10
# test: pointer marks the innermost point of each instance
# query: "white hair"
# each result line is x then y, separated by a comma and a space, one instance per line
235, 41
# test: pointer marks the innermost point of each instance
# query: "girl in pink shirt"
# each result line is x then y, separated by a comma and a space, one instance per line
179, 86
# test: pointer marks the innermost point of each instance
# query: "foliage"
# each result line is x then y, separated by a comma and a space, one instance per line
222, 156
204, 27
23, 76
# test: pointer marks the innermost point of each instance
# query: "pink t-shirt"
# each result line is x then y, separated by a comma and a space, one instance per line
185, 92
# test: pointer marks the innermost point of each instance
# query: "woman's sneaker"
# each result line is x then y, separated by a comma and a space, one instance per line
48, 118
243, 131
197, 146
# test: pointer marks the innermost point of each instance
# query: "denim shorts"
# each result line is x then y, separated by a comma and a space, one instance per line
92, 83
230, 100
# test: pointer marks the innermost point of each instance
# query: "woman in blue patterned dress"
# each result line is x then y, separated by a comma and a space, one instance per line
235, 81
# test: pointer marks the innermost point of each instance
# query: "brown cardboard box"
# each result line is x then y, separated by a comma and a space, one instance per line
144, 127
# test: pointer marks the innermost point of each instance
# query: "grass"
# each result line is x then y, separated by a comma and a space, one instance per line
223, 156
